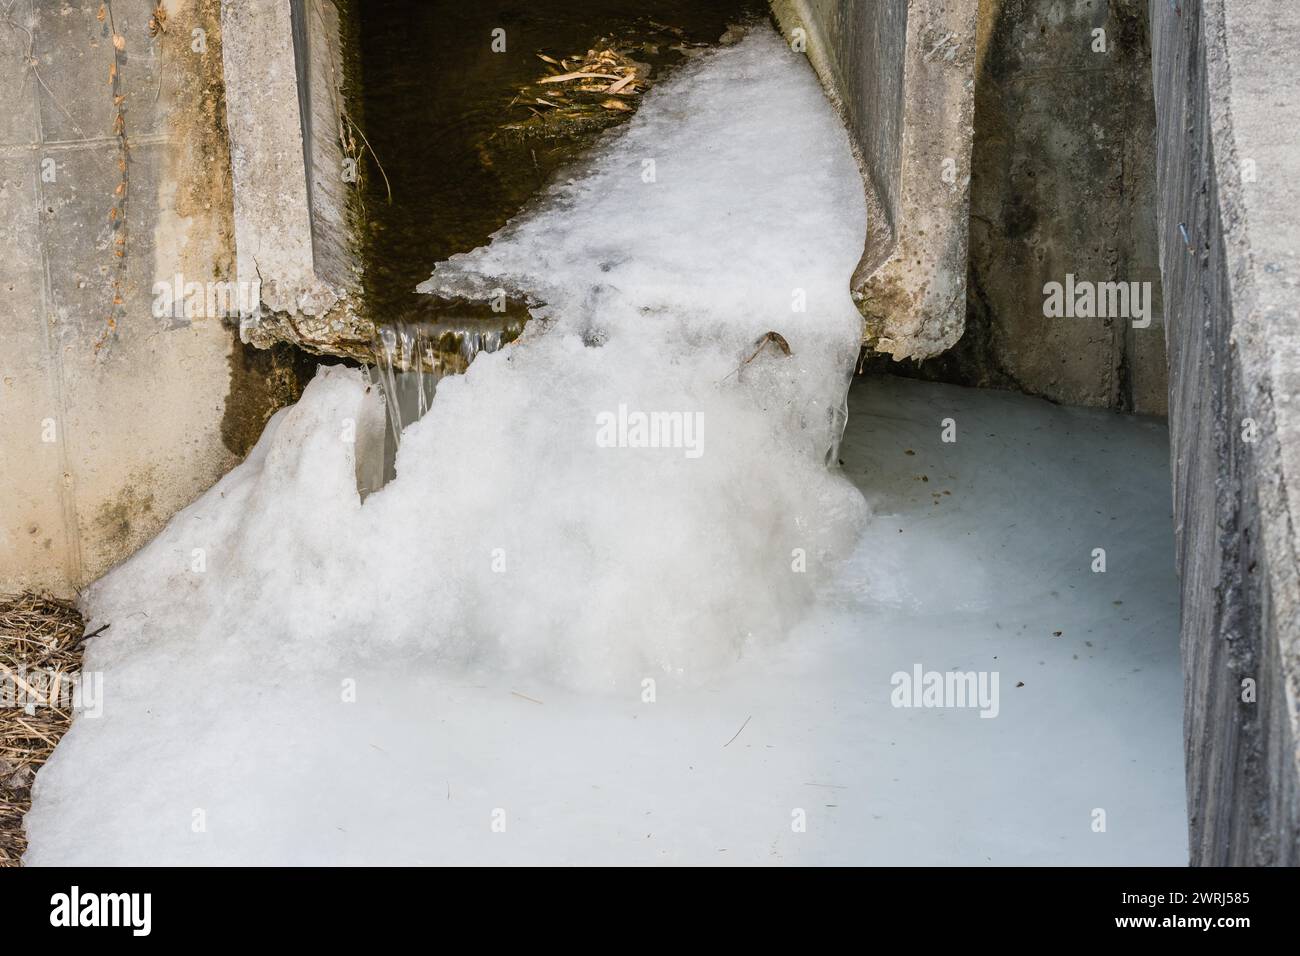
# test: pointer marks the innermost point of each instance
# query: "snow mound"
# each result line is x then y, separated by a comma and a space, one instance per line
534, 528
513, 534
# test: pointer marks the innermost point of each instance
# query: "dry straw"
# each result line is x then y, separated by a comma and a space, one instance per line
42, 635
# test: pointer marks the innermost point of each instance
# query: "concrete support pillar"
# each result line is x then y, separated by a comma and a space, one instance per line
293, 225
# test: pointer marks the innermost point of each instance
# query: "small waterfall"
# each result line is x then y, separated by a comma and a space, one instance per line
441, 336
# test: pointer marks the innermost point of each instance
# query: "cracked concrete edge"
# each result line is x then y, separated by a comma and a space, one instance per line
293, 232
902, 73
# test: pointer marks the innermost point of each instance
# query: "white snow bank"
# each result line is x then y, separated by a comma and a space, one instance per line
432, 764
514, 538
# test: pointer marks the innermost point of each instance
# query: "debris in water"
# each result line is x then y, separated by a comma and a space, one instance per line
585, 94
566, 77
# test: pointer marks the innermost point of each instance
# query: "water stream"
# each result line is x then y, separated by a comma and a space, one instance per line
463, 146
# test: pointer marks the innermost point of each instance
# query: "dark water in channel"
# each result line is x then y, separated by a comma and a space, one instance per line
435, 99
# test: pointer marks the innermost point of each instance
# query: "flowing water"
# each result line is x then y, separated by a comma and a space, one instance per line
463, 145
441, 111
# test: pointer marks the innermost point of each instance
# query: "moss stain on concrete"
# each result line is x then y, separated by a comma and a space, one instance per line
126, 521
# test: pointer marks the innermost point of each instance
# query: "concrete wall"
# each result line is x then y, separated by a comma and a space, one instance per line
1228, 108
113, 175
902, 72
1062, 183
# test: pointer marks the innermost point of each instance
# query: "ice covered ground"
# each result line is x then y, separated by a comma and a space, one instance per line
533, 647
976, 569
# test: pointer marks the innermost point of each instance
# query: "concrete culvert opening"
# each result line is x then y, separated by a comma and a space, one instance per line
464, 142
777, 391
459, 137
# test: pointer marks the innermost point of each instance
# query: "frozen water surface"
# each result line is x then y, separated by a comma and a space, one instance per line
529, 647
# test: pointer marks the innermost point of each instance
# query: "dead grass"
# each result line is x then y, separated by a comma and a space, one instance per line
40, 653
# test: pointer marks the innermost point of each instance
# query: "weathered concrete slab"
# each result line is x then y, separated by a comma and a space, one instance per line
286, 119
113, 177
1228, 107
902, 72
